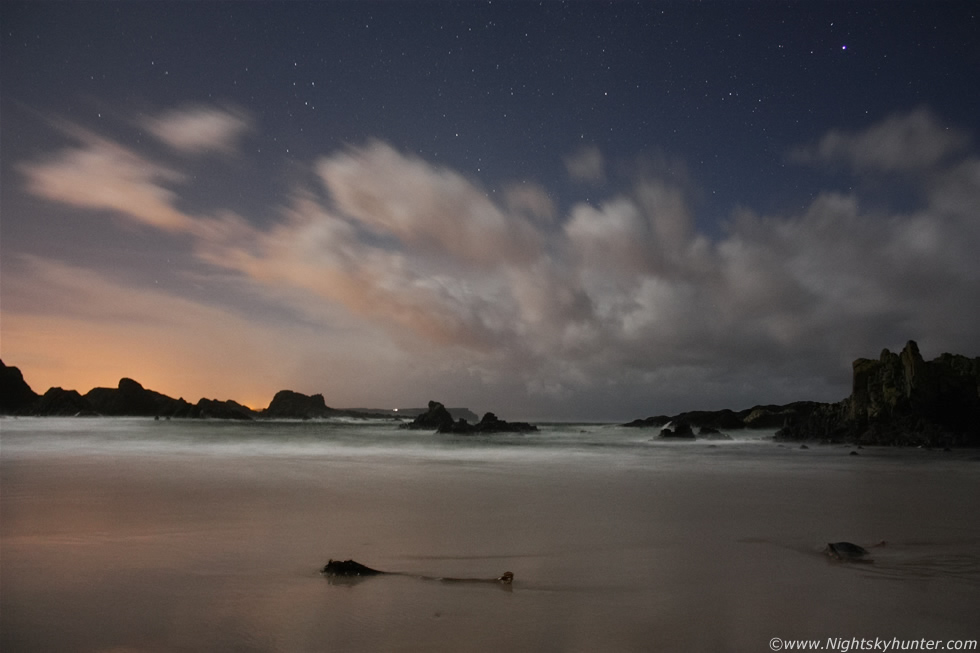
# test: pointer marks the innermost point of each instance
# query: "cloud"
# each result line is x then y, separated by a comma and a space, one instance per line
906, 142
101, 174
424, 207
586, 165
616, 301
197, 129
531, 200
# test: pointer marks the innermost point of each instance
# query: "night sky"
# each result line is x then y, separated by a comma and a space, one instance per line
554, 210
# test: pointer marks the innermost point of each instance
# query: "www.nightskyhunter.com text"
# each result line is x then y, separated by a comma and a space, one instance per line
843, 645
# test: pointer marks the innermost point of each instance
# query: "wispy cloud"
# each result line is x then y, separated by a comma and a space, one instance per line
196, 129
103, 175
906, 142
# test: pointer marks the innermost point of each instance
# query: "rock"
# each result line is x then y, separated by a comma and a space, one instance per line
679, 430
353, 570
489, 424
900, 399
16, 397
435, 418
846, 551
63, 403
456, 413
130, 399
294, 405
214, 409
757, 417
709, 433
716, 419
348, 568
657, 421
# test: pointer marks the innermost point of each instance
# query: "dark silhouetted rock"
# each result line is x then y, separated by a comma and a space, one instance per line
757, 417
709, 433
64, 403
657, 421
846, 551
346, 568
130, 399
716, 419
16, 397
436, 418
489, 424
768, 417
680, 429
214, 409
456, 413
900, 399
294, 405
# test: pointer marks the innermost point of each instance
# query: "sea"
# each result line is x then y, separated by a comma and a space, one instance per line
140, 535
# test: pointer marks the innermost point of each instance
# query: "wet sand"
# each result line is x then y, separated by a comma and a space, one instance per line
708, 549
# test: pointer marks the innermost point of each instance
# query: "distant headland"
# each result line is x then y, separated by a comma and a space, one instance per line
131, 399
898, 399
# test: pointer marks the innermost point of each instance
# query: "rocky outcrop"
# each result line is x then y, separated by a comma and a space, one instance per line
63, 403
679, 429
294, 405
133, 400
489, 424
900, 399
214, 409
457, 413
436, 418
16, 397
717, 421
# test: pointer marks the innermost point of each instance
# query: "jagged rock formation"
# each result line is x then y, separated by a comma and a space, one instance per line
15, 395
437, 418
900, 399
62, 403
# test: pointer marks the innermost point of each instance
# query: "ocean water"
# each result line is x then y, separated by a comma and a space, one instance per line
141, 535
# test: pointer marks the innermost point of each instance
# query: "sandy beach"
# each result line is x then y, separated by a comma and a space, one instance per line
617, 543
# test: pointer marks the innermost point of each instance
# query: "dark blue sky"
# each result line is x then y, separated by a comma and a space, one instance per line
702, 112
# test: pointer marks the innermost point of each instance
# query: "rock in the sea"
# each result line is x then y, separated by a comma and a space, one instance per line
657, 421
294, 405
16, 397
434, 419
709, 433
679, 430
489, 424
